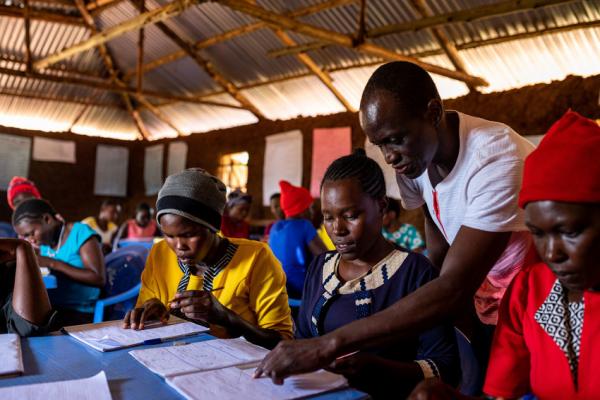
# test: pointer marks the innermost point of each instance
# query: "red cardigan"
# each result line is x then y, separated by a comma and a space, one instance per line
525, 359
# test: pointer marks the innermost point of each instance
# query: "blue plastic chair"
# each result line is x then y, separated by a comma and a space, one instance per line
7, 231
294, 303
147, 243
471, 372
123, 282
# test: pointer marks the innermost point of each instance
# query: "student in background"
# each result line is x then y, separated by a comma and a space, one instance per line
105, 224
403, 235
275, 205
294, 240
364, 275
71, 251
547, 342
235, 285
234, 223
143, 226
20, 189
24, 304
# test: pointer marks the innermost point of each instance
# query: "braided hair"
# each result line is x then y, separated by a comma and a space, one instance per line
360, 167
32, 209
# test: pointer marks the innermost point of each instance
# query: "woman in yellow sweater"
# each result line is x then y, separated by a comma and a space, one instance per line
235, 285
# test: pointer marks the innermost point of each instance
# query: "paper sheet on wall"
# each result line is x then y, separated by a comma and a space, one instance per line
388, 172
45, 149
177, 157
110, 335
237, 383
283, 161
153, 169
93, 388
112, 167
11, 358
15, 153
200, 356
328, 145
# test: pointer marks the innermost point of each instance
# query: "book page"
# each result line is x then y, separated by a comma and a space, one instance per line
201, 356
107, 336
93, 388
237, 383
11, 359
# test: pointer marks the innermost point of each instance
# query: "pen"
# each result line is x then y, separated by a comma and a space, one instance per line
153, 341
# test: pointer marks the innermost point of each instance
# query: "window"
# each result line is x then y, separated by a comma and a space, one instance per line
233, 170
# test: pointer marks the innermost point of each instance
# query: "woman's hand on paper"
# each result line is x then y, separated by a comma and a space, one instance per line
201, 305
151, 310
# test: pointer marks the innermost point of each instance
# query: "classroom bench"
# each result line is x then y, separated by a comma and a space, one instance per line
60, 357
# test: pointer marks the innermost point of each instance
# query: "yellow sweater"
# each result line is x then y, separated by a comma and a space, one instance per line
253, 284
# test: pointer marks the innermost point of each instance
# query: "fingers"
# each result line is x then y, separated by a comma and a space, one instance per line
131, 318
126, 320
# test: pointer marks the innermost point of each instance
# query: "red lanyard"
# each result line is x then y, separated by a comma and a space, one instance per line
436, 210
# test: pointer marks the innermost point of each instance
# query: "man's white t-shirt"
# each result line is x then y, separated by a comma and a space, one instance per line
481, 192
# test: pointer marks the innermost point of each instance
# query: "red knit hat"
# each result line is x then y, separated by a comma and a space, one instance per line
294, 200
19, 185
566, 164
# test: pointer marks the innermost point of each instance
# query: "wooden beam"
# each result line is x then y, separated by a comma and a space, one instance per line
210, 69
299, 48
159, 14
343, 40
40, 15
62, 99
444, 42
97, 6
242, 30
159, 114
140, 55
28, 57
316, 70
485, 11
362, 22
60, 68
107, 86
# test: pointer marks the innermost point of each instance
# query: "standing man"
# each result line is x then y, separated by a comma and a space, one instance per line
466, 174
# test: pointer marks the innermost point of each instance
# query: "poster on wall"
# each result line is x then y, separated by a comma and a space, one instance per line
153, 169
177, 157
45, 149
283, 161
329, 144
112, 167
15, 154
388, 172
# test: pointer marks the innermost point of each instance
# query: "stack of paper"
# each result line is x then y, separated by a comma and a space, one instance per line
223, 369
94, 388
201, 356
107, 336
235, 383
11, 359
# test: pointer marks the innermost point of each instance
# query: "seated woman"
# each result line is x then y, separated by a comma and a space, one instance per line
276, 211
237, 209
143, 226
24, 304
364, 275
19, 190
547, 341
403, 235
71, 251
235, 285
105, 224
294, 240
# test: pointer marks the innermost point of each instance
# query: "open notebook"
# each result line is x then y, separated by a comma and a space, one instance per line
11, 358
107, 336
224, 368
93, 388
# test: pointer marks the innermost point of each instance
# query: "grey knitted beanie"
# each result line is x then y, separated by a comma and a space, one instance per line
193, 194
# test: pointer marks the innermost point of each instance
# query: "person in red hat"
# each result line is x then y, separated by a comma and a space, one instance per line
547, 340
294, 240
20, 189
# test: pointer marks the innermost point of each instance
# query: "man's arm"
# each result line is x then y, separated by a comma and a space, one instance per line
465, 266
437, 246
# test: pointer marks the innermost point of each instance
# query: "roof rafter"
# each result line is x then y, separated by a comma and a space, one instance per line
159, 14
40, 15
343, 40
242, 30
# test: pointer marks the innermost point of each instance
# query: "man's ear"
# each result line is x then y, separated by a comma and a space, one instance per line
435, 112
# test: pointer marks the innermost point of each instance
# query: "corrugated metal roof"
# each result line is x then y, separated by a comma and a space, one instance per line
244, 61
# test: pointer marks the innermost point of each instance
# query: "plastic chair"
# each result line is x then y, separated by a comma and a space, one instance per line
123, 273
471, 372
294, 303
147, 243
7, 231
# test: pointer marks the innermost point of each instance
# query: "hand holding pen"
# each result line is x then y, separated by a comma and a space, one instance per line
201, 305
